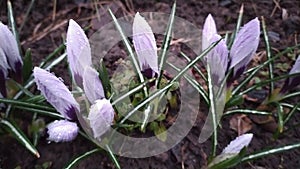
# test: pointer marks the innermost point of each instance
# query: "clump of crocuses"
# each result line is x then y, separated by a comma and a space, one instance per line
100, 114
236, 58
10, 58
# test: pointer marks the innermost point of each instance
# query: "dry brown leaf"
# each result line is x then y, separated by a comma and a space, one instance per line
240, 123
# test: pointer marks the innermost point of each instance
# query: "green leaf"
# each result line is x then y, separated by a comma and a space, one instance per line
81, 157
12, 23
165, 45
160, 132
227, 160
20, 136
27, 65
113, 157
103, 75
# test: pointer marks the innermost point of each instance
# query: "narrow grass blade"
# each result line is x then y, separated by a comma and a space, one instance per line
246, 111
127, 46
290, 95
113, 157
264, 153
12, 23
257, 68
26, 104
268, 52
280, 117
52, 55
146, 101
81, 157
238, 25
42, 112
194, 83
165, 45
290, 114
26, 15
195, 67
27, 65
20, 136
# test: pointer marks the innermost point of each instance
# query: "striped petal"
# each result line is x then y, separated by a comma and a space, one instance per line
101, 117
92, 85
56, 93
218, 60
78, 51
238, 144
244, 46
62, 131
3, 73
209, 30
10, 48
292, 82
145, 46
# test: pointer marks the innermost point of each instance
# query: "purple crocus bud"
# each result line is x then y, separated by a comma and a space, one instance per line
62, 131
209, 30
78, 51
10, 48
293, 81
235, 146
56, 93
145, 46
218, 59
244, 47
101, 117
3, 73
92, 85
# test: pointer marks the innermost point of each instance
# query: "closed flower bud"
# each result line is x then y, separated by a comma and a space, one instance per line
145, 46
56, 93
292, 81
10, 48
244, 47
78, 51
209, 30
62, 131
235, 146
101, 117
3, 73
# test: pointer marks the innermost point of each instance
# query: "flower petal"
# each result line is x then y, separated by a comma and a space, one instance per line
101, 117
244, 46
218, 59
293, 81
56, 93
92, 85
62, 131
78, 50
10, 48
3, 73
209, 30
235, 146
145, 45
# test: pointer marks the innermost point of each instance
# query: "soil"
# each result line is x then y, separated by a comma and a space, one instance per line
44, 31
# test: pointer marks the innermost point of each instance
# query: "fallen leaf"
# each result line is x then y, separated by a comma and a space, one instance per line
240, 123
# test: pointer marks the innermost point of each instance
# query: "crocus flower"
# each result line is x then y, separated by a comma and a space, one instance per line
56, 93
235, 146
10, 48
244, 47
78, 51
92, 85
218, 59
145, 46
101, 117
293, 81
208, 32
62, 131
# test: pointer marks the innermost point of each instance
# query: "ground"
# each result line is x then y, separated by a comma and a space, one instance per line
45, 29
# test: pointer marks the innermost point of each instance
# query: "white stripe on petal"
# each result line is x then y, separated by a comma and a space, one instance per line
62, 131
144, 44
235, 146
101, 117
78, 50
56, 93
92, 85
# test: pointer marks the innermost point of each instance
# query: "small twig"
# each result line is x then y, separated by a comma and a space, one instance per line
276, 6
54, 9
